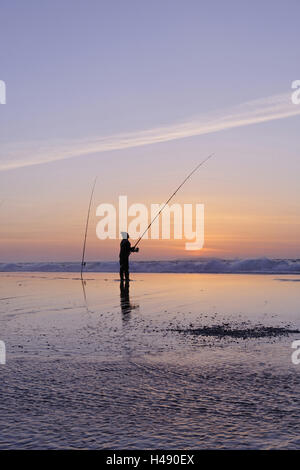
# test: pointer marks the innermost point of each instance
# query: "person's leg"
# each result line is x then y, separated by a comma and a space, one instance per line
121, 272
126, 270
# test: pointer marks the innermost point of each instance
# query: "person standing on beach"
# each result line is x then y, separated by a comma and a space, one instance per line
125, 251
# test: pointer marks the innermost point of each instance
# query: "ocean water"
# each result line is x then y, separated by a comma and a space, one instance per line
103, 366
197, 265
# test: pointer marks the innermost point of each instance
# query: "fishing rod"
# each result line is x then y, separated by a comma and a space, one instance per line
86, 227
171, 197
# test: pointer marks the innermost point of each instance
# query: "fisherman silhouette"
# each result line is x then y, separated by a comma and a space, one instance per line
125, 251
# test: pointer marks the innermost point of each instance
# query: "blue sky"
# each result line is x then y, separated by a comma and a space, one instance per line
80, 69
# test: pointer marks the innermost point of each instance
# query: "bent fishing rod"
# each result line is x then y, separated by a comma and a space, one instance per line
86, 227
171, 197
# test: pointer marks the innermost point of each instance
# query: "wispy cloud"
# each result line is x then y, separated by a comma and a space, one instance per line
252, 112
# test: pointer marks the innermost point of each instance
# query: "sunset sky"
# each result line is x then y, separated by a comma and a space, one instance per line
137, 93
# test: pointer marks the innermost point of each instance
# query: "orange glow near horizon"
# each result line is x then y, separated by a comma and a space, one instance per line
226, 235
48, 225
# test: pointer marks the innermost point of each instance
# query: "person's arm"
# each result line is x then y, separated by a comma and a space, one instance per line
132, 249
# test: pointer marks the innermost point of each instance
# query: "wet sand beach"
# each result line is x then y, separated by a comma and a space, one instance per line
172, 361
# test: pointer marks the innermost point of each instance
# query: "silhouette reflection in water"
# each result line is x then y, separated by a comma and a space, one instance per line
126, 306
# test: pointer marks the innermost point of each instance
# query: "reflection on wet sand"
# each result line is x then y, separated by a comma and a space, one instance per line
125, 304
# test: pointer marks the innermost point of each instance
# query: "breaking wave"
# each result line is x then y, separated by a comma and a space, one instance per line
204, 265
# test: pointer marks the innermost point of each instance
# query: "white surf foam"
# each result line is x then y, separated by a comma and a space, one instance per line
203, 265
